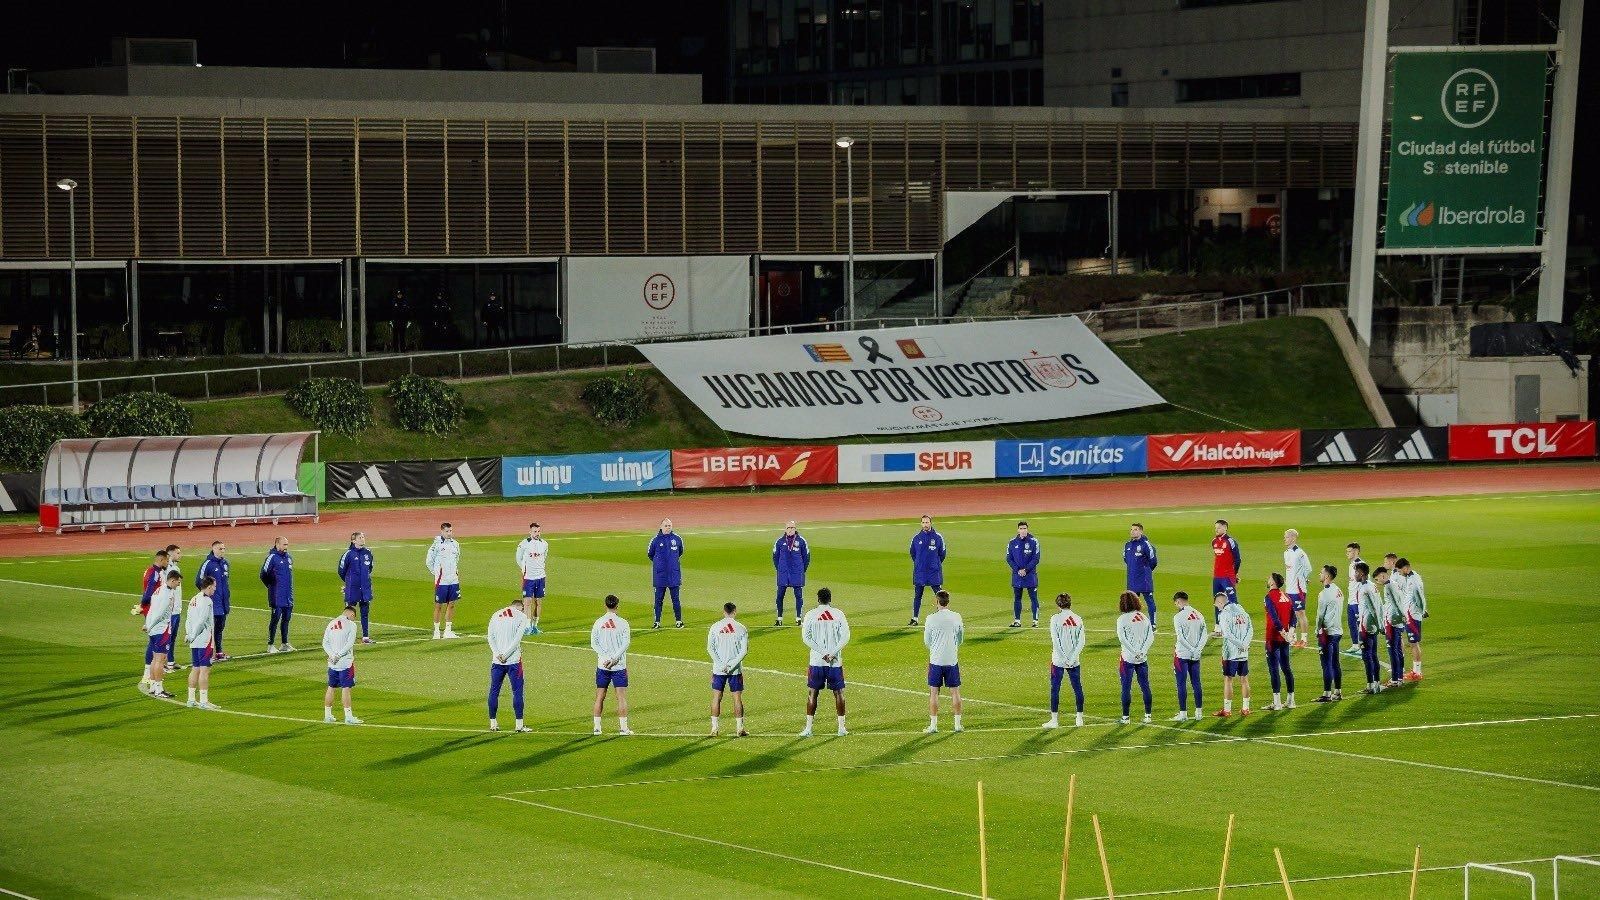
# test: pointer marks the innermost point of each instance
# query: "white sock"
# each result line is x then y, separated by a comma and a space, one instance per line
1055, 717
1227, 705
958, 721
596, 723
519, 723
205, 696
933, 721
809, 721
349, 713
739, 723
327, 712
158, 687
716, 722
1274, 698
622, 722
1246, 704
1416, 667
191, 695
841, 721
436, 629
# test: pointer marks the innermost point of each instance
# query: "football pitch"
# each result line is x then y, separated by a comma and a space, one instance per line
1491, 758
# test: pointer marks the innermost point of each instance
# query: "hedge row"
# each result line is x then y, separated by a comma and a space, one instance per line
26, 432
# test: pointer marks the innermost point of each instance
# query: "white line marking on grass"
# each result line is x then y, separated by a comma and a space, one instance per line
1426, 765
1386, 873
15, 894
732, 846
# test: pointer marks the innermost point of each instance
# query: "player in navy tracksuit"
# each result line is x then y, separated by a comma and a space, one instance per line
1022, 558
927, 564
666, 572
277, 573
791, 557
1139, 555
215, 567
355, 570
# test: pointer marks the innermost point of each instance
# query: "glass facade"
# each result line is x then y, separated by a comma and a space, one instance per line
414, 306
36, 313
888, 52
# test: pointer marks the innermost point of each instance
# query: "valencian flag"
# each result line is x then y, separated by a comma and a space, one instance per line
828, 353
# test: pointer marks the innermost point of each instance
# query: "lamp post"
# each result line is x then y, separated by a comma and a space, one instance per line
71, 187
845, 144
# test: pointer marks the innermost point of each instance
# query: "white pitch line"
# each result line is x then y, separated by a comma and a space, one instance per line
732, 846
10, 893
1426, 765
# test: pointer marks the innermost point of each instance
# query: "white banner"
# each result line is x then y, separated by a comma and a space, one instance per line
902, 380
626, 298
944, 461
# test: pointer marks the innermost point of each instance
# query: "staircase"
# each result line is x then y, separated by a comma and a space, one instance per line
874, 295
912, 306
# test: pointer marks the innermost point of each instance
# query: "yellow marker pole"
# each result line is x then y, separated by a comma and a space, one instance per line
1066, 839
1105, 867
983, 850
1283, 874
1416, 867
1227, 847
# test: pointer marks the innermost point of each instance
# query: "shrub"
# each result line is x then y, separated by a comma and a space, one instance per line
620, 400
26, 433
425, 404
314, 336
139, 413
332, 404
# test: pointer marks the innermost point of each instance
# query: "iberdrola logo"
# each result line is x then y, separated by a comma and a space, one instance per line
1417, 215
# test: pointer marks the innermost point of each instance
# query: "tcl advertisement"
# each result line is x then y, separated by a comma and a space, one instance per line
746, 466
1222, 450
1527, 440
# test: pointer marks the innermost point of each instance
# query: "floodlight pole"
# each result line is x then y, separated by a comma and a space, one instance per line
71, 187
848, 144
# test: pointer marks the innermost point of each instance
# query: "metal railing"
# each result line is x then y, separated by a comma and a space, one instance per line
206, 384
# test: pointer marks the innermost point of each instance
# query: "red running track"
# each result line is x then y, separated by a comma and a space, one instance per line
691, 511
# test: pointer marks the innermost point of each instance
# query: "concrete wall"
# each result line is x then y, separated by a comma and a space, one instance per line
1156, 43
1488, 388
1416, 349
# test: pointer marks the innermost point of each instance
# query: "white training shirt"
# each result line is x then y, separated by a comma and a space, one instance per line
1296, 571
1238, 631
942, 634
163, 606
1350, 583
200, 624
1135, 632
1066, 639
727, 643
1191, 631
609, 639
825, 631
444, 556
339, 642
531, 556
1416, 603
506, 628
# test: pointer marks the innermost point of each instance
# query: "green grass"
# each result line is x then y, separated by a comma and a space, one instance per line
107, 793
1252, 375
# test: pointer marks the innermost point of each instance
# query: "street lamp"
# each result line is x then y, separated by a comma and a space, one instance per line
845, 143
71, 187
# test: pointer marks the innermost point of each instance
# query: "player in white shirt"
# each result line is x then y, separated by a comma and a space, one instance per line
1191, 632
532, 554
174, 556
164, 603
825, 632
1238, 632
1297, 583
1352, 554
339, 644
609, 639
200, 632
505, 631
727, 643
1135, 633
942, 633
1066, 652
1416, 607
1330, 632
444, 562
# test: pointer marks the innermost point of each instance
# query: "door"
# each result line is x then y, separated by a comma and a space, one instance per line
1525, 398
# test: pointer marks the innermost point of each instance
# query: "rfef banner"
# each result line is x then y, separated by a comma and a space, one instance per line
585, 473
746, 466
414, 479
1372, 446
1069, 456
946, 461
902, 380
626, 298
1526, 440
1223, 450
1466, 144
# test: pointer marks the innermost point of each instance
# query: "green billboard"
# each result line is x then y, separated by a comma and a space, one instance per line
1465, 150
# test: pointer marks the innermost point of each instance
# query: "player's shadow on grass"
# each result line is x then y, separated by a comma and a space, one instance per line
431, 752
772, 759
674, 754
523, 763
50, 691
426, 707
886, 635
900, 752
101, 727
998, 634
269, 739
77, 711
47, 697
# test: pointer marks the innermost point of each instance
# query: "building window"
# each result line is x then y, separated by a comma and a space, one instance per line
1238, 87
1206, 4
1119, 94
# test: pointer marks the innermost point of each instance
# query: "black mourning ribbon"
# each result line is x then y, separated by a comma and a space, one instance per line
870, 344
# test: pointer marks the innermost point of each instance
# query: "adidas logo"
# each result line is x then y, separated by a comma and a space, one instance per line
1416, 448
6, 503
1338, 451
370, 486
461, 483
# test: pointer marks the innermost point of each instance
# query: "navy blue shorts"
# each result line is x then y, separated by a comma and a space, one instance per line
159, 642
1235, 667
364, 596
1298, 602
610, 678
342, 678
1413, 630
533, 587
830, 677
200, 657
944, 676
734, 682
1224, 586
446, 593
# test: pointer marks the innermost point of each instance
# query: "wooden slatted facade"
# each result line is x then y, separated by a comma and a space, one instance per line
208, 187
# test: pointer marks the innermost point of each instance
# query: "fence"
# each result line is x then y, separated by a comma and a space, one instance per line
205, 384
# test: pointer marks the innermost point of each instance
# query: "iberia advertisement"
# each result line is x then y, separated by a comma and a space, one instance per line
750, 466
